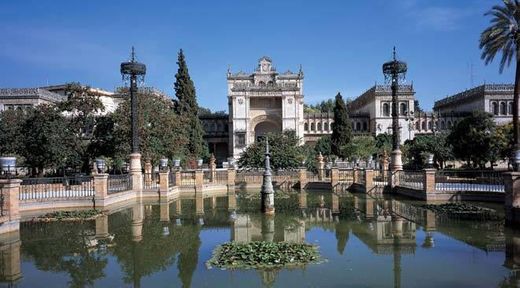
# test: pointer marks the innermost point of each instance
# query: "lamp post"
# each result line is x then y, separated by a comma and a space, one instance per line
133, 71
395, 70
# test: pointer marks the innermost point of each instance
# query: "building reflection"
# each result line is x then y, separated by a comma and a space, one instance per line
10, 265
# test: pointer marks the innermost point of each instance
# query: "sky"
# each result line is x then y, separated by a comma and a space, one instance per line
341, 44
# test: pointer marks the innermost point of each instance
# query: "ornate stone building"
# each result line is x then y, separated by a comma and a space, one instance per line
262, 102
21, 98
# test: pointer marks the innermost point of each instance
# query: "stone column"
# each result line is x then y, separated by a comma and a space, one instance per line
355, 175
231, 175
11, 258
213, 168
302, 177
178, 179
321, 167
199, 203
199, 180
334, 177
232, 201
136, 173
148, 173
164, 184
335, 203
11, 192
303, 200
512, 198
137, 222
213, 202
100, 189
369, 180
165, 211
429, 183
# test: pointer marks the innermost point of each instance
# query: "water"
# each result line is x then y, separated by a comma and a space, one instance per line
367, 242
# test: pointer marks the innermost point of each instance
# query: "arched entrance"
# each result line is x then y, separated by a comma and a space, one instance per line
263, 128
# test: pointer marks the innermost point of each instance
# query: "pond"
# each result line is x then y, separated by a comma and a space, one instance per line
366, 241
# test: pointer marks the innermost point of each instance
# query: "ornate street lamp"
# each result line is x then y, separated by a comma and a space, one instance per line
134, 71
394, 71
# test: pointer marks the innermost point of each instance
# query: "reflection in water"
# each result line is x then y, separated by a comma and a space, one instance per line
145, 241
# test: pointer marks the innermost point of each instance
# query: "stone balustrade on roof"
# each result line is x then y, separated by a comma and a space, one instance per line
478, 91
31, 93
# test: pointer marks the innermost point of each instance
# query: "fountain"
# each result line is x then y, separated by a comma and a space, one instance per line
267, 184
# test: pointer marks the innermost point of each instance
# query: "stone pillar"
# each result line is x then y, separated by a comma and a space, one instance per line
232, 201
11, 270
231, 175
302, 177
355, 176
178, 208
303, 200
268, 228
199, 203
335, 203
136, 173
213, 168
178, 179
11, 191
429, 183
164, 184
512, 198
321, 167
199, 180
148, 173
213, 202
334, 177
100, 189
102, 227
369, 180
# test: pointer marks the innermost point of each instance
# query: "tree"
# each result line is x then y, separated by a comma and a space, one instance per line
11, 131
341, 128
187, 108
435, 144
473, 140
161, 130
503, 35
361, 147
324, 146
383, 143
49, 140
284, 148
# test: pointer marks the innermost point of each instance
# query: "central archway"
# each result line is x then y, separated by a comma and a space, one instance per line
265, 124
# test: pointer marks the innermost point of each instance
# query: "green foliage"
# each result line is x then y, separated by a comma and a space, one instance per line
361, 147
263, 255
187, 108
425, 144
11, 131
74, 215
284, 148
322, 107
383, 143
473, 140
341, 128
160, 130
324, 146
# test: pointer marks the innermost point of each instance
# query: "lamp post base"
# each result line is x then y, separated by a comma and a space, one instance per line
135, 162
396, 162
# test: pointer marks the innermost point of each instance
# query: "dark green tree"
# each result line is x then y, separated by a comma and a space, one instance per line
473, 141
383, 143
188, 110
503, 35
324, 146
284, 148
361, 147
341, 128
435, 144
11, 131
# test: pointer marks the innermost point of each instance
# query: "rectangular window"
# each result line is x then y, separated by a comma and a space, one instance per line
240, 139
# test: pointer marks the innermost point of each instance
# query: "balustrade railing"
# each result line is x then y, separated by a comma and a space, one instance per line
56, 187
360, 179
171, 179
477, 181
119, 183
346, 175
3, 208
380, 179
249, 176
206, 175
150, 181
220, 177
411, 179
187, 179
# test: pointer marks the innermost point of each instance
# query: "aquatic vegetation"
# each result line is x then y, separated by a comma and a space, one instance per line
262, 254
463, 211
70, 215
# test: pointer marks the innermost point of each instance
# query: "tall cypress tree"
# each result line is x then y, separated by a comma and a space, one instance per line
187, 108
341, 128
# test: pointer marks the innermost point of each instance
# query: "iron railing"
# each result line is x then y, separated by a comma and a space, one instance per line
468, 180
56, 187
411, 179
380, 179
171, 179
346, 175
150, 181
119, 183
187, 179
220, 177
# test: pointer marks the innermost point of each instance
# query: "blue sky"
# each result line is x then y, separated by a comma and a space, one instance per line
340, 44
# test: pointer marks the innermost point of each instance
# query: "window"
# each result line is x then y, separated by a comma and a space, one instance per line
503, 108
443, 125
326, 126
494, 108
319, 126
306, 126
450, 124
358, 126
365, 126
430, 125
386, 109
510, 108
240, 139
417, 125
402, 109
423, 125
313, 127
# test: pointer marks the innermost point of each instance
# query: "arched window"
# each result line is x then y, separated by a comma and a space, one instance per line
365, 126
494, 108
319, 126
450, 124
402, 108
510, 108
353, 127
270, 83
313, 127
358, 126
386, 109
430, 125
306, 126
503, 108
443, 125
423, 125
326, 126
417, 125
261, 83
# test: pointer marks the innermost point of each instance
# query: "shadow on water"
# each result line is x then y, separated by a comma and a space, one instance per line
147, 244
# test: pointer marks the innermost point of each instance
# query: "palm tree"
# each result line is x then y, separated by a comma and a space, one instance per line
504, 35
